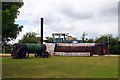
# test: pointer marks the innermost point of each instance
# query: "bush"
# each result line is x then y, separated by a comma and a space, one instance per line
7, 48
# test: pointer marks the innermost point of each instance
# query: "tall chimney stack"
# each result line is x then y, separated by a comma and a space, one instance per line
41, 30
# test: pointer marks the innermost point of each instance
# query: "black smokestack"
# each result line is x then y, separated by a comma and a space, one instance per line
41, 30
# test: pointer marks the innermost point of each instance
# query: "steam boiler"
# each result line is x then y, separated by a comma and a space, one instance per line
20, 51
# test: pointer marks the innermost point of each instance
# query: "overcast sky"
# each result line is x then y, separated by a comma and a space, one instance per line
95, 17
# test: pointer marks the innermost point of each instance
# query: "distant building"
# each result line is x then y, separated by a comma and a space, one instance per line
70, 38
64, 38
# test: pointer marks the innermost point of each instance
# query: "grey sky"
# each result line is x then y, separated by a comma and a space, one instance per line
96, 17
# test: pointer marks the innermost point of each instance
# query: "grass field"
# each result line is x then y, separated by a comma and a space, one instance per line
61, 67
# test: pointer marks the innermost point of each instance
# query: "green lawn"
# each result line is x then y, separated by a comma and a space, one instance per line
61, 67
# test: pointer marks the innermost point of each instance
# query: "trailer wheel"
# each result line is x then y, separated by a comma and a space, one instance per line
91, 54
45, 54
21, 54
13, 54
36, 54
27, 55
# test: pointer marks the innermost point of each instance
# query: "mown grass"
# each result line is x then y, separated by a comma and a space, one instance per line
61, 67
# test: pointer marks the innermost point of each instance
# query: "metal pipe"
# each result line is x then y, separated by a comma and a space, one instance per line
41, 30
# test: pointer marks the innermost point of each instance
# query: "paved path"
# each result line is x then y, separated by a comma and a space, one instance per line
107, 55
8, 55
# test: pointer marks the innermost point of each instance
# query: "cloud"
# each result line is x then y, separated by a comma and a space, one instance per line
96, 17
70, 13
109, 9
76, 13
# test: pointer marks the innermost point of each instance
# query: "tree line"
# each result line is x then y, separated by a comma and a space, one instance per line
114, 43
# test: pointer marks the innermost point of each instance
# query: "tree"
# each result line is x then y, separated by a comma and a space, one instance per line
107, 38
8, 48
115, 49
101, 39
10, 30
83, 37
89, 40
30, 38
114, 45
49, 40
